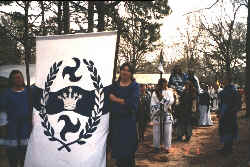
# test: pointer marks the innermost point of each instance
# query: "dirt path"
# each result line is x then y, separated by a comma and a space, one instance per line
200, 151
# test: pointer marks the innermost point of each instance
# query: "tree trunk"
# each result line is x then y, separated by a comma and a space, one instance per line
59, 17
27, 52
248, 64
66, 17
90, 16
100, 11
43, 22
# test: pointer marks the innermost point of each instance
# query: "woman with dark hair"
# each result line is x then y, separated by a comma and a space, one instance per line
124, 97
14, 102
161, 102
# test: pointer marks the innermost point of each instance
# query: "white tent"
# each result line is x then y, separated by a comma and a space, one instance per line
150, 78
5, 71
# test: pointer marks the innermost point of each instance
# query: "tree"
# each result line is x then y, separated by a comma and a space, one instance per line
90, 16
140, 30
66, 17
247, 88
227, 41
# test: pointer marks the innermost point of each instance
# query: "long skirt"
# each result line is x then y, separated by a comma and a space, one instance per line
167, 135
205, 116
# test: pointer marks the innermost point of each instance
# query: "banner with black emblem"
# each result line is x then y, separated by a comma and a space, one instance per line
70, 124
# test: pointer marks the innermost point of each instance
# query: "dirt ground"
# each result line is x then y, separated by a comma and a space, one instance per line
200, 151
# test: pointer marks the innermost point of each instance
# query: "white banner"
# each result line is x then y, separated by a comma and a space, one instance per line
71, 125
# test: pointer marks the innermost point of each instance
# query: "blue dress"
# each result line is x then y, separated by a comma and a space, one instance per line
15, 104
230, 104
123, 120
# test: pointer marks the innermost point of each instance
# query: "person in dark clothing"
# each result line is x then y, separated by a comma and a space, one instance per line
184, 112
204, 103
142, 117
230, 104
194, 80
124, 97
14, 101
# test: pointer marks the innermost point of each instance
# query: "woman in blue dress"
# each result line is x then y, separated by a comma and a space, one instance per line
124, 97
14, 102
230, 104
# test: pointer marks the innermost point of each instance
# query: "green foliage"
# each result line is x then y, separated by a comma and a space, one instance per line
6, 3
140, 30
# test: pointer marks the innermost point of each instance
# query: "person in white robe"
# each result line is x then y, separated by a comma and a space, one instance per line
214, 96
162, 96
204, 102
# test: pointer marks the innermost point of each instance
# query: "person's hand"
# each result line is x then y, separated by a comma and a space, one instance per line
116, 99
112, 97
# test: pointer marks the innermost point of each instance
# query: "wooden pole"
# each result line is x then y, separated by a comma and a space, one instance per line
116, 54
27, 56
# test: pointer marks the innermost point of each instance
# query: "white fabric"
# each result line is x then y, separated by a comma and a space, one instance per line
10, 143
198, 82
160, 68
167, 135
215, 102
205, 116
3, 119
155, 106
100, 49
168, 96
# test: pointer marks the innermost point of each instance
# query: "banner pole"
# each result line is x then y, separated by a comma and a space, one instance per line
116, 54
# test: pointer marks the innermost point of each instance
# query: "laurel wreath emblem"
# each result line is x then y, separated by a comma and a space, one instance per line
93, 120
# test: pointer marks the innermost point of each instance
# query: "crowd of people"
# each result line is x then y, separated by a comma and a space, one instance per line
168, 106
172, 103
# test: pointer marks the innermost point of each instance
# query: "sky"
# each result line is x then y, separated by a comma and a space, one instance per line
177, 19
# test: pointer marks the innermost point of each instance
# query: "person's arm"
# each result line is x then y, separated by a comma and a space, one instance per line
113, 98
3, 109
36, 97
132, 100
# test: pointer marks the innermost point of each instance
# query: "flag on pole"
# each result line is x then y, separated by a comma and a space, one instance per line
160, 67
70, 126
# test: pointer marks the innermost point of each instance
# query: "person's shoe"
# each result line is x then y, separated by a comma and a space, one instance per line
221, 150
156, 150
179, 138
187, 139
225, 152
166, 151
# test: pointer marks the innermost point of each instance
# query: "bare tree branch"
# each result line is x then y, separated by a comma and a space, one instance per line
202, 8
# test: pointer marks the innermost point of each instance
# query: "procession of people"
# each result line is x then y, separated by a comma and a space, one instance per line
133, 106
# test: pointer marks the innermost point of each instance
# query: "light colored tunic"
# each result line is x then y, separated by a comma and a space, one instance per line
205, 116
168, 100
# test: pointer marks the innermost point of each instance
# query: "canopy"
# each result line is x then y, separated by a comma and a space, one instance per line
148, 78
